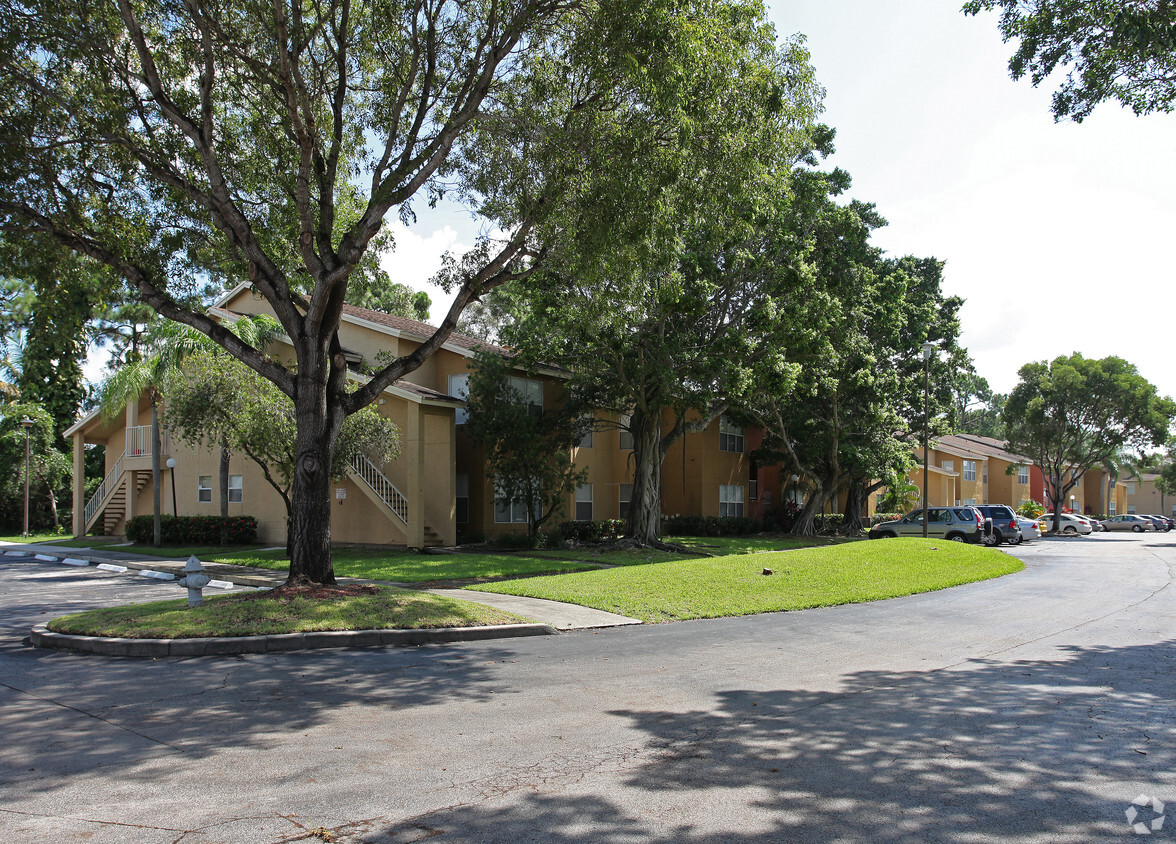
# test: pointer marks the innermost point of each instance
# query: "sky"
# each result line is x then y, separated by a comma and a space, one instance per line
1057, 235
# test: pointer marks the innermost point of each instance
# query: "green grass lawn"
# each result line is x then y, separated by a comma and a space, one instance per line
734, 585
713, 546
258, 613
43, 536
409, 566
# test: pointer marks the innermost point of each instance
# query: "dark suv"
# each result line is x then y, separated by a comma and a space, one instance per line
1004, 524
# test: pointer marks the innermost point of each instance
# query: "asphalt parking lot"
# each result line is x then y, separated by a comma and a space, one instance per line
1033, 708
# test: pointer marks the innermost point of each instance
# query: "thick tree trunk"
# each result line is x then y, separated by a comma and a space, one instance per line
645, 504
804, 524
224, 495
855, 501
318, 426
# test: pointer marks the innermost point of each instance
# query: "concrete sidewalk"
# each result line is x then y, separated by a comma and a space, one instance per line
555, 614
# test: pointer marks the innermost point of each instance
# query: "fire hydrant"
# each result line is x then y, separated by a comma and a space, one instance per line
194, 581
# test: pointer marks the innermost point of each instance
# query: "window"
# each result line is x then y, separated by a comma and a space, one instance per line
986, 472
969, 470
586, 440
1131, 508
1022, 474
1113, 508
625, 496
530, 391
459, 388
753, 480
584, 503
463, 499
730, 500
626, 443
947, 465
730, 436
1130, 490
509, 512
967, 502
236, 489
204, 488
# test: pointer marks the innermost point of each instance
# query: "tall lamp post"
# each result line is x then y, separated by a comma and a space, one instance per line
928, 347
171, 467
28, 425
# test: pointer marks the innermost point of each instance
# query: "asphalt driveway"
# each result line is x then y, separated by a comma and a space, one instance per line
1036, 707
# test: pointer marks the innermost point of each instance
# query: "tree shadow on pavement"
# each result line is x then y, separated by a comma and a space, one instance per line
1045, 750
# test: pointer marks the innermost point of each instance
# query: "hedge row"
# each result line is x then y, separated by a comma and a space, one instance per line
194, 530
601, 531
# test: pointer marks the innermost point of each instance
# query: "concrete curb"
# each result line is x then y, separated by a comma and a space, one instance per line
42, 637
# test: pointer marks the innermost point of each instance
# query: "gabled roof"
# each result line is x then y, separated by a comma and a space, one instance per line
398, 326
985, 446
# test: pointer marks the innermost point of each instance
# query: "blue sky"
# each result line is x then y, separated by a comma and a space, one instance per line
1057, 235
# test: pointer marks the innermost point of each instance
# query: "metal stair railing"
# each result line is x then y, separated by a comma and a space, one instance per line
378, 482
109, 485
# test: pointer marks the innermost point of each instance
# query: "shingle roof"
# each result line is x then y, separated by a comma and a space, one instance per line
420, 330
988, 446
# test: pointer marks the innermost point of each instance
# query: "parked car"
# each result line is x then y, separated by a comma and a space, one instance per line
1070, 525
1159, 522
1128, 521
1028, 528
1004, 524
959, 524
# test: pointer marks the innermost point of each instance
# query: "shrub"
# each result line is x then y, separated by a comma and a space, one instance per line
586, 531
194, 530
885, 517
710, 525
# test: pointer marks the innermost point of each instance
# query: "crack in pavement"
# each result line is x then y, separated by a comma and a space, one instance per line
58, 703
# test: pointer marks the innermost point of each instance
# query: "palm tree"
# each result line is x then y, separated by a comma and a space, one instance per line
167, 346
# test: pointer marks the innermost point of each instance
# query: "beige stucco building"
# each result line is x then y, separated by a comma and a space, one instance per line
436, 492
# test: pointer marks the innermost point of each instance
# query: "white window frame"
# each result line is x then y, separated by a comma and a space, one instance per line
947, 465
530, 390
584, 497
204, 489
462, 493
1022, 474
731, 500
509, 513
236, 489
624, 500
459, 388
730, 436
969, 470
625, 438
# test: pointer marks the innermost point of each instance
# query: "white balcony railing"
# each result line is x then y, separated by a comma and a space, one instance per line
371, 475
104, 489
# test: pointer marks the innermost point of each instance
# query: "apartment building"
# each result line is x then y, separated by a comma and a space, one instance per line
436, 491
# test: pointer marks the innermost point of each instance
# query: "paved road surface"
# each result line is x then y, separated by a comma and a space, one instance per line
1033, 708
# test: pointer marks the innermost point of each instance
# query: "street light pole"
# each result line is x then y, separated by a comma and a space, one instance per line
28, 424
171, 465
928, 347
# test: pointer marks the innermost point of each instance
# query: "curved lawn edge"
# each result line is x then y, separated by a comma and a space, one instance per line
270, 613
801, 579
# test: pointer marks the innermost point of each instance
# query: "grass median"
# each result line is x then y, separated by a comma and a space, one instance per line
735, 585
358, 607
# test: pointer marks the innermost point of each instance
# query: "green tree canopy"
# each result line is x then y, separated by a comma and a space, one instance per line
1109, 49
177, 142
528, 446
1075, 413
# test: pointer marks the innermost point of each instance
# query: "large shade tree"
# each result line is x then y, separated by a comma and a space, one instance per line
177, 142
1073, 414
852, 328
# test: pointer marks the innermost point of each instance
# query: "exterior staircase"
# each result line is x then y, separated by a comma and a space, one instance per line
384, 494
109, 500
